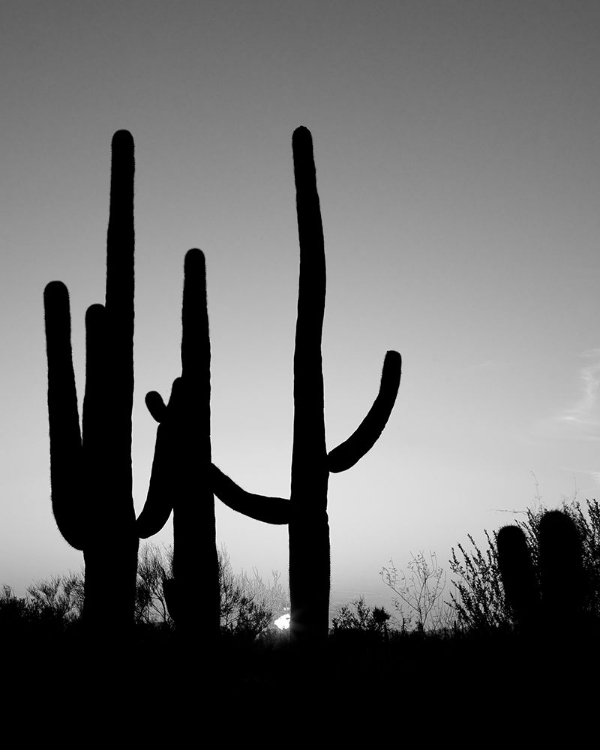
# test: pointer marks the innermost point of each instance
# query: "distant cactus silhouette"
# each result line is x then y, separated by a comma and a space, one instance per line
518, 576
91, 472
560, 583
563, 582
306, 512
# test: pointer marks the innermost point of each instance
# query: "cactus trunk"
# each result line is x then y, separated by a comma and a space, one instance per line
310, 560
310, 566
181, 474
91, 471
306, 512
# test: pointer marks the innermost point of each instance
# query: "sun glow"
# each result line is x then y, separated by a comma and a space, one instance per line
283, 622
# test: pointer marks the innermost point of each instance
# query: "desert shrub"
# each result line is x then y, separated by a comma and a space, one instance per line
14, 610
248, 604
479, 601
49, 608
357, 616
59, 597
419, 594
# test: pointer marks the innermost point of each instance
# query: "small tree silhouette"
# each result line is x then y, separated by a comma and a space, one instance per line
422, 590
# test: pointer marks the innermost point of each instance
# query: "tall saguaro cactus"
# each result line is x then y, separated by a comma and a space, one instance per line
91, 470
181, 474
181, 471
306, 513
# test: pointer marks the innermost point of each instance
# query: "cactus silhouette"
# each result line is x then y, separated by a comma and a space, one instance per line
560, 583
306, 512
181, 471
90, 467
91, 472
518, 576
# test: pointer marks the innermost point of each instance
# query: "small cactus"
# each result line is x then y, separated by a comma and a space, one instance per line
518, 576
538, 599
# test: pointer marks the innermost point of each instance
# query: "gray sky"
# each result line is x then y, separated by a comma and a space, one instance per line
458, 165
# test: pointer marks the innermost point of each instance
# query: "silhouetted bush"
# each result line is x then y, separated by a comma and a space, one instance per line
52, 606
419, 592
49, 608
357, 617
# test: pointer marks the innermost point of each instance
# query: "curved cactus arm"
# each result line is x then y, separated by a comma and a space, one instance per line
188, 408
66, 453
162, 490
273, 510
367, 433
156, 406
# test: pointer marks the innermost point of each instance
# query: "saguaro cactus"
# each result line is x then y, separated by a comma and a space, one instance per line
560, 582
181, 478
181, 471
518, 576
306, 512
91, 472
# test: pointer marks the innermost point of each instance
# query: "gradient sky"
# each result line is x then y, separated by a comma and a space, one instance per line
458, 160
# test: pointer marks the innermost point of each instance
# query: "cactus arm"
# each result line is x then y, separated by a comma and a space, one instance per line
66, 455
182, 435
367, 433
162, 487
274, 510
156, 406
